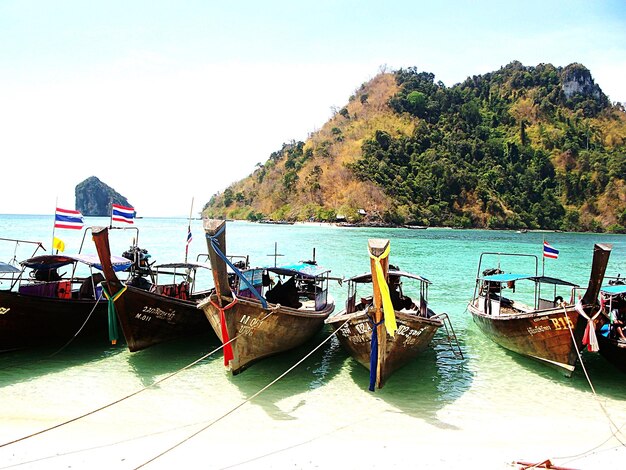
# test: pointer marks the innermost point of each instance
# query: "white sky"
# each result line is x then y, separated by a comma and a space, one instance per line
169, 100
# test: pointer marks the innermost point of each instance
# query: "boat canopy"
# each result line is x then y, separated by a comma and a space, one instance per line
505, 277
510, 277
367, 277
300, 269
553, 280
614, 290
119, 263
7, 268
189, 265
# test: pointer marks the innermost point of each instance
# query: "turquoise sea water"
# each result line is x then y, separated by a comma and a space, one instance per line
490, 408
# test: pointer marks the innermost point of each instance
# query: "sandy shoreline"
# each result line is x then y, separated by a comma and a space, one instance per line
338, 425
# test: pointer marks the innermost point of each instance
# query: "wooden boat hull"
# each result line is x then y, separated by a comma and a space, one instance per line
542, 335
259, 332
147, 318
413, 336
28, 320
613, 351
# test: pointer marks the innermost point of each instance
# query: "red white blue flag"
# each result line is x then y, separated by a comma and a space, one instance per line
122, 214
189, 238
549, 252
66, 218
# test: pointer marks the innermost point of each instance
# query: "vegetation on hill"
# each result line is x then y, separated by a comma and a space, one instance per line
522, 147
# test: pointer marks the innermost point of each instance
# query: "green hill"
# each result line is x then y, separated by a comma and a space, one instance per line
521, 147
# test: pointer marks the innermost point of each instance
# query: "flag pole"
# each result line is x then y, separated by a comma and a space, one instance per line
188, 230
54, 222
110, 213
543, 258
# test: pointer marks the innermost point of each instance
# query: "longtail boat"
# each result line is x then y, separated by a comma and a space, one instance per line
611, 345
540, 323
254, 319
39, 305
151, 311
386, 329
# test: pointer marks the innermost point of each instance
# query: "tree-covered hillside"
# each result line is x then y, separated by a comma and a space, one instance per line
522, 147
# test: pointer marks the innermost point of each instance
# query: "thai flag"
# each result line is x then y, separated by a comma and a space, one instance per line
549, 252
189, 238
65, 218
122, 214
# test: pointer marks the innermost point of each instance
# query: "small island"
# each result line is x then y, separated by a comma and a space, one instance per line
94, 198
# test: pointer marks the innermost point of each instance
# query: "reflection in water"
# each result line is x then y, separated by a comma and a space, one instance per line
166, 358
422, 387
607, 380
315, 371
28, 364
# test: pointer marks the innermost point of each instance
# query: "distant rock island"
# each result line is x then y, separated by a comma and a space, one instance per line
94, 198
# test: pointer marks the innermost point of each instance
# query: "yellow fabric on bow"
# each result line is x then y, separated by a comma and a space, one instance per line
388, 311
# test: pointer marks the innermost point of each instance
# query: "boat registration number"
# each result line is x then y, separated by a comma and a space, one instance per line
559, 323
249, 325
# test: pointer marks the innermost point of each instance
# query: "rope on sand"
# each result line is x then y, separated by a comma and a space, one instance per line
108, 405
615, 429
580, 359
204, 428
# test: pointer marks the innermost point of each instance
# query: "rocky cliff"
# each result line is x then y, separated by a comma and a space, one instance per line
577, 79
94, 198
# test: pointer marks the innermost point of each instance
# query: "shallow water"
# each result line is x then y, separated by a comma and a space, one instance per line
489, 409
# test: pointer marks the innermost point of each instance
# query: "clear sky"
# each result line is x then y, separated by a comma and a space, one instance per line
166, 101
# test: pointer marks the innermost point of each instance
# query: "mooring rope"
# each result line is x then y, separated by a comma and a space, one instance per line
618, 429
108, 405
67, 343
79, 330
204, 428
272, 310
228, 351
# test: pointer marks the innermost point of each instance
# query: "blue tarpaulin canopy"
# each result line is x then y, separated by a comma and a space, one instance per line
509, 277
614, 290
506, 277
302, 269
553, 280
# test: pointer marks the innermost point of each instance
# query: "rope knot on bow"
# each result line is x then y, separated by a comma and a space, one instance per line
228, 349
589, 338
111, 315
